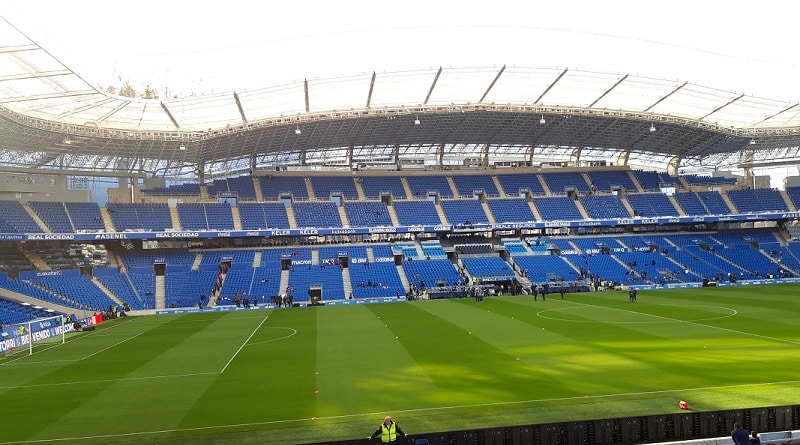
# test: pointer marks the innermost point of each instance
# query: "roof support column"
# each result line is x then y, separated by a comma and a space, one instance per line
623, 157
396, 154
440, 155
350, 156
529, 154
674, 165
485, 155
575, 158
749, 179
201, 172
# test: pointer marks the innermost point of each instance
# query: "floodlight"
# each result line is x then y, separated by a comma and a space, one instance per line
652, 128
542, 121
416, 121
297, 130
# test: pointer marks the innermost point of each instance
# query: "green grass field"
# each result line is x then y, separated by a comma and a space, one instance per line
302, 375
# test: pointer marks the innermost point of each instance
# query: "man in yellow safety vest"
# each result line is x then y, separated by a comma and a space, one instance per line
388, 431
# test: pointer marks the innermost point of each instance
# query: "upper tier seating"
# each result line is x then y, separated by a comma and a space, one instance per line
510, 210
512, 184
560, 182
459, 211
367, 214
604, 206
467, 185
558, 208
54, 214
316, 214
273, 187
708, 180
794, 196
649, 180
607, 181
243, 187
714, 202
126, 216
14, 219
327, 186
85, 216
423, 184
210, 216
374, 186
263, 215
186, 189
691, 204
758, 200
651, 204
412, 213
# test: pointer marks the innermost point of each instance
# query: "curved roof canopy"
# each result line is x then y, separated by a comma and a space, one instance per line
51, 117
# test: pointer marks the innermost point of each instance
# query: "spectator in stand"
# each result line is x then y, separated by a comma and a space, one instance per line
740, 435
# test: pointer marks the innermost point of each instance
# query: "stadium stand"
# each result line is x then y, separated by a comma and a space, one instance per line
274, 187
264, 215
560, 182
469, 185
375, 186
513, 185
604, 206
327, 186
411, 213
558, 208
316, 214
422, 185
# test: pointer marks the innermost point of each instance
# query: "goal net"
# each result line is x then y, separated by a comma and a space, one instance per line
21, 337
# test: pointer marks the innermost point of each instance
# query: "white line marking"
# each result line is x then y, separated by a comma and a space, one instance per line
243, 344
126, 379
373, 414
734, 331
109, 347
731, 314
294, 331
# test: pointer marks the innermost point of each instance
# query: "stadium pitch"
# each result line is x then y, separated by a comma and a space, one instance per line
304, 375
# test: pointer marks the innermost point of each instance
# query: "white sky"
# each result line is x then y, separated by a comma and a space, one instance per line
205, 47
202, 47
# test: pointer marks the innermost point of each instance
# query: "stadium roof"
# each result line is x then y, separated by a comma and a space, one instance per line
51, 117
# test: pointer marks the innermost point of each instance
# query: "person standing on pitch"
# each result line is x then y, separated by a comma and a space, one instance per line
388, 431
